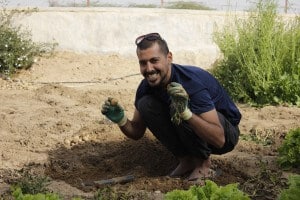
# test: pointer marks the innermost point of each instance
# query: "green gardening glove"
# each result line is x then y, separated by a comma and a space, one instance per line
114, 112
179, 103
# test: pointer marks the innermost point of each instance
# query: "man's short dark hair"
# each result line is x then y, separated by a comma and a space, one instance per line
145, 44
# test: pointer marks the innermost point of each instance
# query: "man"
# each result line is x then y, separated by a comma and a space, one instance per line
185, 108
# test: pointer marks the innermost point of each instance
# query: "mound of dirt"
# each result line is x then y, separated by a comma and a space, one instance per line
50, 124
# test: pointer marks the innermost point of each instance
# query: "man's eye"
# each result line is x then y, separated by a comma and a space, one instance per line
143, 63
153, 61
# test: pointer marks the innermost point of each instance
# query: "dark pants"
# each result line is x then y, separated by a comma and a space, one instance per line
181, 140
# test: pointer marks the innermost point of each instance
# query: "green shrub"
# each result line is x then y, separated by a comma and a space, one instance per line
187, 5
289, 151
142, 5
17, 50
292, 192
210, 191
261, 63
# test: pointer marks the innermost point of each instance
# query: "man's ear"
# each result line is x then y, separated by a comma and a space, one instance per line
170, 57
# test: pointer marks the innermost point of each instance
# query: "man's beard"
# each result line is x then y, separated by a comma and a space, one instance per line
162, 78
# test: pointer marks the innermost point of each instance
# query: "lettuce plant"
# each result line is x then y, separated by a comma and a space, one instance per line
292, 192
210, 191
289, 151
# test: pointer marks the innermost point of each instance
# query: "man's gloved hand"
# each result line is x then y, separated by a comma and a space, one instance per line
179, 102
114, 112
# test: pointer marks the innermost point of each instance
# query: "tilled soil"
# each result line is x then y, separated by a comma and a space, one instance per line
51, 125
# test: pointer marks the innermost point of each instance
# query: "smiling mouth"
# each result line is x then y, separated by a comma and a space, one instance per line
152, 76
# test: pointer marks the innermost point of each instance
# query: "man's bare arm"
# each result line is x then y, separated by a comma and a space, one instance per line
208, 127
135, 128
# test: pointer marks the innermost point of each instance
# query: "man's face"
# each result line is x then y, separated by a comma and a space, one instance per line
155, 66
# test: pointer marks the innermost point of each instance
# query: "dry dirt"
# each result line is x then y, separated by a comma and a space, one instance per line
50, 124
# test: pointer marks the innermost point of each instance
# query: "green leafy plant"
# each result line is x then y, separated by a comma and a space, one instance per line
31, 184
210, 191
289, 151
17, 50
261, 57
18, 195
292, 192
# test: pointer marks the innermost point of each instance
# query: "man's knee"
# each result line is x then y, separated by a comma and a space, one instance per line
144, 103
149, 104
231, 136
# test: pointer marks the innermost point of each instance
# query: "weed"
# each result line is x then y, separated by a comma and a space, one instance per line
264, 137
108, 193
266, 184
32, 184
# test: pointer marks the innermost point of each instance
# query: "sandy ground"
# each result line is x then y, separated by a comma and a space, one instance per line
50, 124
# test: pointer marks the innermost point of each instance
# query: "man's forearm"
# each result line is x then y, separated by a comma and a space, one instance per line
209, 132
132, 130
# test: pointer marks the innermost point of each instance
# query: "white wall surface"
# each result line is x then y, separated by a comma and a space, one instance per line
113, 30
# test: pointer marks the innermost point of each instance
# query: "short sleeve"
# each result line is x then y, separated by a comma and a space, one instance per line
201, 102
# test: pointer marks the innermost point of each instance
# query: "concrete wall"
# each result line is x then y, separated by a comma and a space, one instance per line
113, 30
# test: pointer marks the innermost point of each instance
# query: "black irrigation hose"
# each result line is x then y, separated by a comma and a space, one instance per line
80, 82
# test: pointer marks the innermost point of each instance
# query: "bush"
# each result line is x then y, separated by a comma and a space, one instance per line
187, 5
17, 50
261, 62
289, 151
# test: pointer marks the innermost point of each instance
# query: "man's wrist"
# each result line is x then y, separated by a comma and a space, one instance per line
123, 121
186, 114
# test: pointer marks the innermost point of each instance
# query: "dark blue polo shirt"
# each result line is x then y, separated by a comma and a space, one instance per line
205, 92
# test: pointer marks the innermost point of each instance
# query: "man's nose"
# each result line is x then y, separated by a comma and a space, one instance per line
149, 66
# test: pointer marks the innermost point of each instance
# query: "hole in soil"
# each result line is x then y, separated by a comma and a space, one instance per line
146, 159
